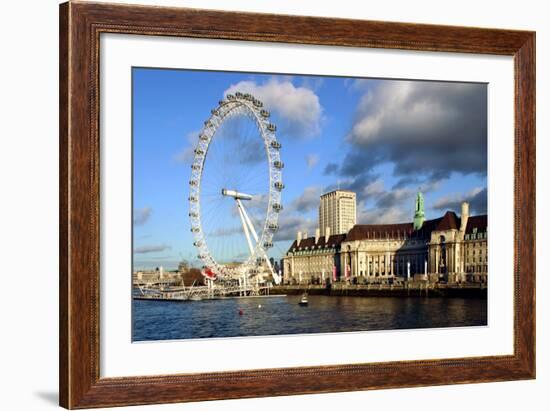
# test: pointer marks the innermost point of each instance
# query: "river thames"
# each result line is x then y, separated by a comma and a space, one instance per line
279, 315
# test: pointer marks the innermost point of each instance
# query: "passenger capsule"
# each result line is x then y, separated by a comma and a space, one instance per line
275, 144
273, 227
258, 103
268, 244
195, 230
199, 151
277, 207
279, 186
192, 183
230, 97
264, 113
238, 94
192, 199
193, 215
278, 164
272, 127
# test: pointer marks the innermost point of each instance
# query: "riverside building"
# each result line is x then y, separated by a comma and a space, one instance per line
338, 211
448, 249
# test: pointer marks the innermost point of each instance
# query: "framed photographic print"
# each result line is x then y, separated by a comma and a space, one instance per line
258, 205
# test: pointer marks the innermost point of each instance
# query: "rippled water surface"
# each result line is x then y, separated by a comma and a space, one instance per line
164, 320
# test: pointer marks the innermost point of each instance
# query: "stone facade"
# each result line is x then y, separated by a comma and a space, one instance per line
384, 253
313, 260
458, 253
447, 249
156, 276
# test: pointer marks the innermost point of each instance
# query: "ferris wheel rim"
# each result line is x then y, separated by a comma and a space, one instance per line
232, 105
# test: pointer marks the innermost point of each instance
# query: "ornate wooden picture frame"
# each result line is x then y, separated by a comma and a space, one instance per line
81, 25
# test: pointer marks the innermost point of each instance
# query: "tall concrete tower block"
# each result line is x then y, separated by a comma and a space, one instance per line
465, 214
419, 216
338, 211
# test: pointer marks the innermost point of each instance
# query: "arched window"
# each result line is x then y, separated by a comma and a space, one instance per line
442, 255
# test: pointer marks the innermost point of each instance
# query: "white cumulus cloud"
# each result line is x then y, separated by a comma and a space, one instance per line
312, 160
299, 108
146, 249
142, 215
186, 155
390, 215
308, 200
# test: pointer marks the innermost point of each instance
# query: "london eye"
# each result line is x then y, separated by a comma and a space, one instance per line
235, 191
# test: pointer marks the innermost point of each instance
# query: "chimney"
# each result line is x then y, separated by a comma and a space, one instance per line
327, 233
317, 235
305, 235
464, 216
298, 238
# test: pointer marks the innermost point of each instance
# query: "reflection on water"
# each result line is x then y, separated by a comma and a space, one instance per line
164, 320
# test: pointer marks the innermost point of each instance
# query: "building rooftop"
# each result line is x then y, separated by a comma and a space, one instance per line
333, 241
479, 222
449, 221
379, 231
338, 191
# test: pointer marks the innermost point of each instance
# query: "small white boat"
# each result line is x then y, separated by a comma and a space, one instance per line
303, 300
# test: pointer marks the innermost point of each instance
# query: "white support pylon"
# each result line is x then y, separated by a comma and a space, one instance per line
275, 276
248, 222
247, 219
242, 214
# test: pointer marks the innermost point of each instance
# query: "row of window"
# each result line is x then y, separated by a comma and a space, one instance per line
476, 236
474, 252
312, 251
476, 268
476, 244
473, 259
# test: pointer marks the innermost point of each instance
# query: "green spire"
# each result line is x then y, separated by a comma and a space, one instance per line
419, 212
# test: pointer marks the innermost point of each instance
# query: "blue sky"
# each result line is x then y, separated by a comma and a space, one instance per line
384, 139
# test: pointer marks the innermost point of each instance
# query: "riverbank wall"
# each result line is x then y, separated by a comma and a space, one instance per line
386, 290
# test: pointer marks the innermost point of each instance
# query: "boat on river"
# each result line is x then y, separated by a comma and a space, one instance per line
303, 300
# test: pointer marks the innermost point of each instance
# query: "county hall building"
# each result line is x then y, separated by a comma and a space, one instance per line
451, 248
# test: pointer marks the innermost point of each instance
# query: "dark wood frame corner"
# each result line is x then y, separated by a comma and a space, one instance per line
81, 24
